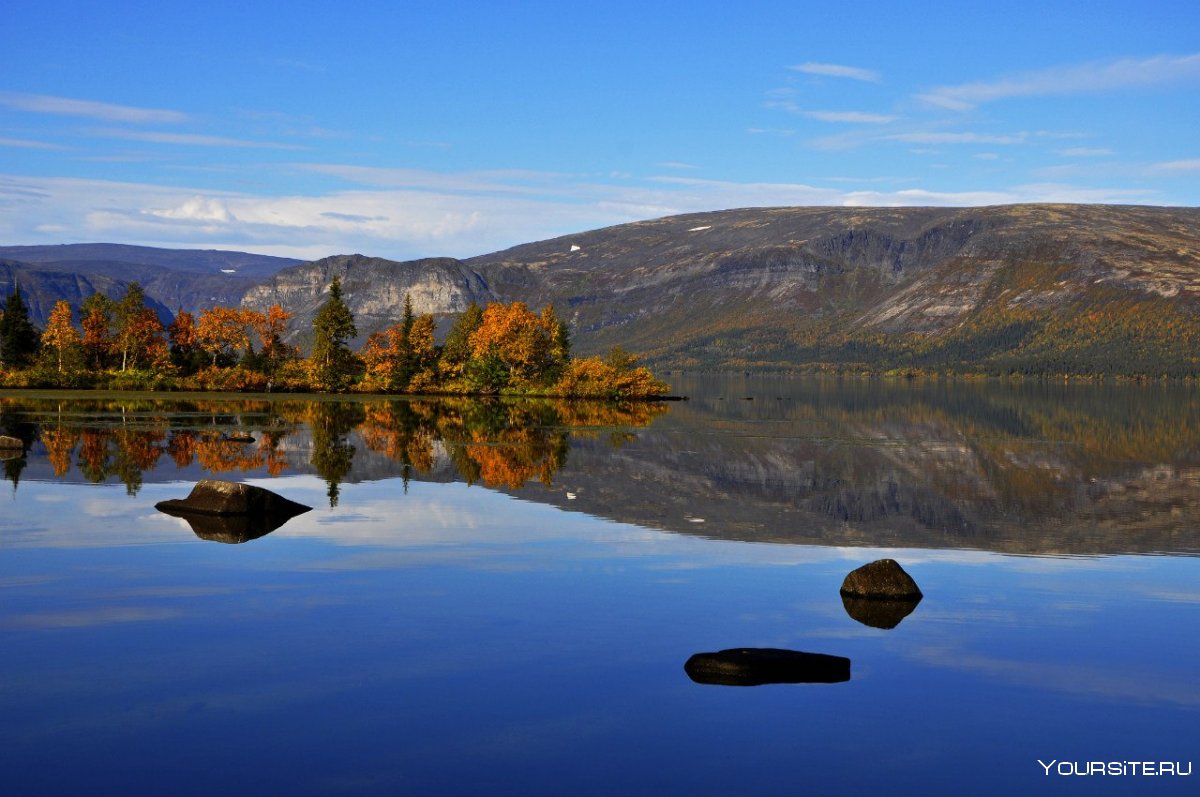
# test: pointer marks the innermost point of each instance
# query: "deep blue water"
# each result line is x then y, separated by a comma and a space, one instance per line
434, 637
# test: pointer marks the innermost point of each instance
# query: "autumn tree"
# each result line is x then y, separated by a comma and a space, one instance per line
559, 353
142, 339
270, 327
18, 337
457, 349
380, 355
332, 361
139, 337
617, 376
511, 345
186, 353
423, 353
96, 318
222, 332
61, 342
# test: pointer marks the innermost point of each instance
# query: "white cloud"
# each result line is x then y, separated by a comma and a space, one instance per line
922, 197
189, 139
452, 214
1177, 167
21, 143
1023, 194
1075, 79
196, 209
66, 106
838, 70
957, 138
1085, 152
851, 117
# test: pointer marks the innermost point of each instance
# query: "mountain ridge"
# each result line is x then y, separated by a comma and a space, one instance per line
1040, 288
1027, 288
173, 279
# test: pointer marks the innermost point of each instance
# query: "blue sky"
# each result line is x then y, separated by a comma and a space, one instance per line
412, 129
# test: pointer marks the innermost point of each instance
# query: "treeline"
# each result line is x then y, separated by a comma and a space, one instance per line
122, 345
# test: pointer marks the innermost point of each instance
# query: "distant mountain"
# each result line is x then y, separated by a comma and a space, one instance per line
41, 289
203, 261
1026, 288
173, 279
1036, 288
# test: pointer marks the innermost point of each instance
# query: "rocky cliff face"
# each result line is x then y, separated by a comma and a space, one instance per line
373, 288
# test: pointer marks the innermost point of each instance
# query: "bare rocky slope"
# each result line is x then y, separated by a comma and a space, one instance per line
1032, 288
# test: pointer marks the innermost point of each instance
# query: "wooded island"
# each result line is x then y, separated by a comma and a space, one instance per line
123, 345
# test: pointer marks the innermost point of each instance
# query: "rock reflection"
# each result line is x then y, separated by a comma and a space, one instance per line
878, 613
759, 666
231, 528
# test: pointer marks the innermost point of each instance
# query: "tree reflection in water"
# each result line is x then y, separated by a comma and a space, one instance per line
498, 443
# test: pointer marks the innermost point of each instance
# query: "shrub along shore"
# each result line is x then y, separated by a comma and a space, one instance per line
501, 349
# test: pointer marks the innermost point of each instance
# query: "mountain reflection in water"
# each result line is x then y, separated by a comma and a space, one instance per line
1031, 469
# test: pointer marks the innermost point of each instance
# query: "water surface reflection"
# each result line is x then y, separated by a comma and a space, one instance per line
1040, 469
470, 618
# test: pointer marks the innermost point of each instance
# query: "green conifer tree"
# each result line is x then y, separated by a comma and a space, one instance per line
19, 338
332, 361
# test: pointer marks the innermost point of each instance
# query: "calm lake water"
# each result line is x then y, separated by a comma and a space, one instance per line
499, 598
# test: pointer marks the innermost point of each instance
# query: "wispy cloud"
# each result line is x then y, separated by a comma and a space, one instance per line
677, 165
21, 143
850, 117
1177, 167
103, 111
1076, 79
1085, 152
838, 70
782, 100
190, 139
957, 138
454, 214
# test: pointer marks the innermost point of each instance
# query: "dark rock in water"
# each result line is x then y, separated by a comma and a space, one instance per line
758, 666
10, 443
238, 437
232, 512
881, 579
214, 497
879, 612
232, 528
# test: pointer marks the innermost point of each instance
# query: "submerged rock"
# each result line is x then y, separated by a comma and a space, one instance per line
881, 579
758, 666
879, 612
10, 443
214, 497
